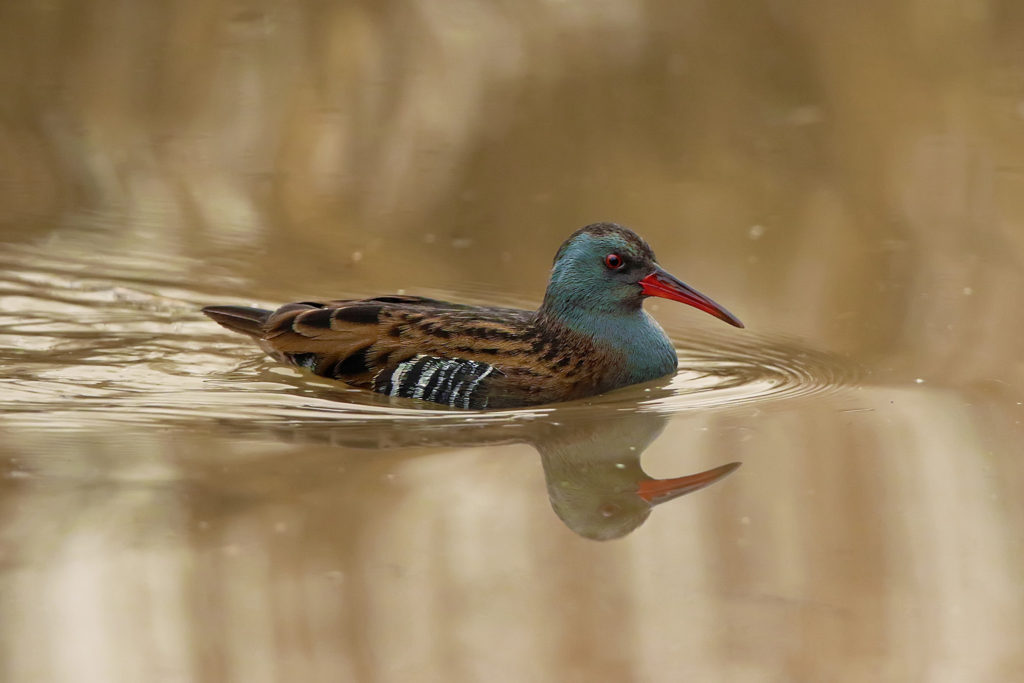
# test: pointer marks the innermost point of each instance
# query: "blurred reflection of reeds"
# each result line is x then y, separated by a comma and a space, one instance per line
846, 554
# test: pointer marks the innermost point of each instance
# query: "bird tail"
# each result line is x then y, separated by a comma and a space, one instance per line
243, 319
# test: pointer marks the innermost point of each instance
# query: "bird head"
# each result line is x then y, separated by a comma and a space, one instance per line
607, 268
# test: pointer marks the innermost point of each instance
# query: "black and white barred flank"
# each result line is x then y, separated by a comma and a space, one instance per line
453, 381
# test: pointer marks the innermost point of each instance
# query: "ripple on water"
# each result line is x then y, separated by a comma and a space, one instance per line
715, 370
79, 350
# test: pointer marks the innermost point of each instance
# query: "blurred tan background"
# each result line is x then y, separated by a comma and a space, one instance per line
865, 149
847, 176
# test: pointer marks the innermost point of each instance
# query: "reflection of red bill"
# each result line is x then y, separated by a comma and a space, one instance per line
656, 491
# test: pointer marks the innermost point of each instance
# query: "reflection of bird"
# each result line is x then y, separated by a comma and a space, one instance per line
590, 335
590, 455
594, 478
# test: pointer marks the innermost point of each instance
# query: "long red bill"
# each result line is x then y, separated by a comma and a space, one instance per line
656, 491
667, 286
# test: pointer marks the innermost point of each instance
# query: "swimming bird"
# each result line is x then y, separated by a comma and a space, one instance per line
590, 334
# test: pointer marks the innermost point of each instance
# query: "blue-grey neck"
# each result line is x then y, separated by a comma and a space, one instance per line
622, 328
606, 307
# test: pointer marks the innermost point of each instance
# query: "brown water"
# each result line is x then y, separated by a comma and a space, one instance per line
847, 180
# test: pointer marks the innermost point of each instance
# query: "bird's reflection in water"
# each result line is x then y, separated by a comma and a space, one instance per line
594, 479
590, 455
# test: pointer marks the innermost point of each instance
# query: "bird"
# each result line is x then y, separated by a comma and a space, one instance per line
589, 336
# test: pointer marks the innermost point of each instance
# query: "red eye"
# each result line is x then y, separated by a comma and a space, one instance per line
614, 261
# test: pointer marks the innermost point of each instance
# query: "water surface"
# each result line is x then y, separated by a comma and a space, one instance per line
176, 507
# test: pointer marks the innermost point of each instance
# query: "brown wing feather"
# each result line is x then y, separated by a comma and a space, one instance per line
391, 329
356, 340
